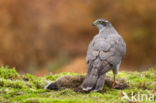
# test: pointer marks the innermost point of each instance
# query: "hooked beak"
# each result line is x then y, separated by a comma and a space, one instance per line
94, 23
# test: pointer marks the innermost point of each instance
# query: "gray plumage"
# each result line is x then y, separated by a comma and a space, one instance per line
105, 53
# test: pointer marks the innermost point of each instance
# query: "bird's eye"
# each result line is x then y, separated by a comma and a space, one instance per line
100, 22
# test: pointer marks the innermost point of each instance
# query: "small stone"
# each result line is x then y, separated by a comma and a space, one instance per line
6, 90
20, 92
50, 73
141, 75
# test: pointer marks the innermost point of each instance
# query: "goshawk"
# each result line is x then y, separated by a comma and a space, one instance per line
105, 52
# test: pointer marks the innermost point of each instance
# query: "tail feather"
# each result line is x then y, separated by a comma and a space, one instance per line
100, 83
90, 80
95, 76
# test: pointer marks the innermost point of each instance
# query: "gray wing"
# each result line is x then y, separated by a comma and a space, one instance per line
118, 50
111, 49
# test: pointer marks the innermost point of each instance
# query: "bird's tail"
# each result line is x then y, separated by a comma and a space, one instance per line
95, 70
90, 80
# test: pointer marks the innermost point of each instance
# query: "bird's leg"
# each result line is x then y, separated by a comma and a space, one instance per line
114, 81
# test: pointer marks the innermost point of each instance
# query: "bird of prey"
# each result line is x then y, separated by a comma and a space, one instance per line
105, 52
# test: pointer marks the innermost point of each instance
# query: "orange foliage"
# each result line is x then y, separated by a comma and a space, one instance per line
33, 32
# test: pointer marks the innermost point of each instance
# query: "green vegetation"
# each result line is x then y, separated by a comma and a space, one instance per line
30, 89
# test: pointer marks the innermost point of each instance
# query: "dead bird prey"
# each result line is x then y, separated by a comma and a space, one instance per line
105, 52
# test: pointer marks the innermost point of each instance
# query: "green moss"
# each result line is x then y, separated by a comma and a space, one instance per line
54, 77
30, 89
8, 73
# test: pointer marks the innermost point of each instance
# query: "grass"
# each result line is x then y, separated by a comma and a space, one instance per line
28, 88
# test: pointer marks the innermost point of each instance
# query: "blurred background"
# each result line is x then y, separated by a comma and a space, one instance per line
42, 36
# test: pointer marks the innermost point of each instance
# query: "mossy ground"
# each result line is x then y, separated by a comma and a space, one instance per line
30, 89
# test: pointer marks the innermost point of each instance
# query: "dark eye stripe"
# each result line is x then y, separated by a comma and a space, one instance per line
101, 22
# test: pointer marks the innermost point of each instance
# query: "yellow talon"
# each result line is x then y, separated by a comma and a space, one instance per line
114, 82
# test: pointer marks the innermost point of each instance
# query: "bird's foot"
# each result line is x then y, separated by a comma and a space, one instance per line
114, 84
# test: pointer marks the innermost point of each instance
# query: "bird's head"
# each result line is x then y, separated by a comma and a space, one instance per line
101, 23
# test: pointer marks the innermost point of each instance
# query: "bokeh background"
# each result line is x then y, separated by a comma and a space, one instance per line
42, 36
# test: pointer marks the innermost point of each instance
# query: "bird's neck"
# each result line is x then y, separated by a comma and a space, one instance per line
107, 31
